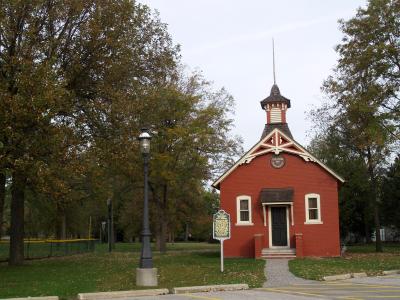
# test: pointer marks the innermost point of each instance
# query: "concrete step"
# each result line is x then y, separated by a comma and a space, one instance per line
271, 253
291, 251
278, 256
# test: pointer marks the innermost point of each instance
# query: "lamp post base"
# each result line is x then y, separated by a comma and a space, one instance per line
146, 277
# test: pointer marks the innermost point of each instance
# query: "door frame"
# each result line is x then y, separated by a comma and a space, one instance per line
270, 227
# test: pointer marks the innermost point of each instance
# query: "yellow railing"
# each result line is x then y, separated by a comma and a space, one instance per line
38, 241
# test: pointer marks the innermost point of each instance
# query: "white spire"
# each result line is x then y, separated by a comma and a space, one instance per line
273, 59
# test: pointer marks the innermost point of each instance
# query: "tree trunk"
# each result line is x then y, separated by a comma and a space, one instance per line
16, 256
367, 221
158, 237
63, 227
367, 230
2, 200
157, 229
375, 202
186, 231
164, 223
378, 244
163, 235
61, 231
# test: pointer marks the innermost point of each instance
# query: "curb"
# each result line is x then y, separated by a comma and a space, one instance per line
121, 294
210, 288
33, 298
391, 272
337, 277
359, 275
356, 275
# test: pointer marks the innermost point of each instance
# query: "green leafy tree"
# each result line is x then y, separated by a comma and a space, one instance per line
355, 212
363, 91
391, 195
191, 143
2, 200
74, 66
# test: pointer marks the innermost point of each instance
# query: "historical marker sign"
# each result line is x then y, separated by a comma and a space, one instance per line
221, 230
221, 225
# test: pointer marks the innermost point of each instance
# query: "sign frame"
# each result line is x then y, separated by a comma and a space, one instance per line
227, 219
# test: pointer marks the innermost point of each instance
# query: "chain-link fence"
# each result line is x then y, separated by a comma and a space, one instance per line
50, 248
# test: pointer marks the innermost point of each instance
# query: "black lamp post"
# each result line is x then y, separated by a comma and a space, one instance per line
146, 275
146, 260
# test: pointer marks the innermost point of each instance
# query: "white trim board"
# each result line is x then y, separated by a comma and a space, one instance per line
276, 148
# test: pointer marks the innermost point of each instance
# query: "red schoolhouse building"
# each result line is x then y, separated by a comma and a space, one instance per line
282, 200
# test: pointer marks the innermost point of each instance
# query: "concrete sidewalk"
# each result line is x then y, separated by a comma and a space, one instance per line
278, 274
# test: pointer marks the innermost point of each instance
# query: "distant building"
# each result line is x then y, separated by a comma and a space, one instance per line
283, 201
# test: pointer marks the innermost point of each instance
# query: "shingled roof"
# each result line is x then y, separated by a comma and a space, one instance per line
274, 97
284, 127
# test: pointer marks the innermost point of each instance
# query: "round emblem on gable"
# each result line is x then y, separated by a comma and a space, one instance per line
277, 161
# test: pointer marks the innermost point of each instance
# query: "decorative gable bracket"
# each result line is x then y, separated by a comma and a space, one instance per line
276, 143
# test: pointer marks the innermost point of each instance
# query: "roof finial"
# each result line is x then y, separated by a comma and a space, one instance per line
273, 58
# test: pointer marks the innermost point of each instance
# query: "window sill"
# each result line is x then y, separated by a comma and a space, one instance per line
313, 222
244, 224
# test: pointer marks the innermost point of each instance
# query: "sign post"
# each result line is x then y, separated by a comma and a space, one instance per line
221, 230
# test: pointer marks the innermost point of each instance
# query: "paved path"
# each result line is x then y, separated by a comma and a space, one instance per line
380, 287
278, 274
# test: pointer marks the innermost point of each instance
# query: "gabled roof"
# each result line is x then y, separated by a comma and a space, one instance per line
275, 142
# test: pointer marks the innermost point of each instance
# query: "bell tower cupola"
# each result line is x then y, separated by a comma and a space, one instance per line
275, 106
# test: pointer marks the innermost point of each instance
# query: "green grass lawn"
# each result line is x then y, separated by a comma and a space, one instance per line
47, 249
370, 248
359, 258
101, 271
180, 246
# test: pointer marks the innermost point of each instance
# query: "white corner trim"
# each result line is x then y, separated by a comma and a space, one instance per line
291, 211
238, 221
265, 217
317, 196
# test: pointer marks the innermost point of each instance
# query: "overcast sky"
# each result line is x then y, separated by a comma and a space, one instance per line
230, 41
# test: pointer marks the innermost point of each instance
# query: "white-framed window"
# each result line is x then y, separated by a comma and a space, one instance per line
313, 209
243, 210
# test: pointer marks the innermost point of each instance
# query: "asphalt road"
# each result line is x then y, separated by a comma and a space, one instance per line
369, 288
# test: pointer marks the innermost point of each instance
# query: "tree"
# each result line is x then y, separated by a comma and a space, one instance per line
78, 80
191, 142
71, 67
391, 195
363, 90
355, 212
2, 200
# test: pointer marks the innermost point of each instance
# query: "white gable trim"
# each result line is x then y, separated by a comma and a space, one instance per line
276, 148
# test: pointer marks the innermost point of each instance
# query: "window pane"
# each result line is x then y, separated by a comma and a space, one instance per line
313, 214
312, 203
244, 216
244, 205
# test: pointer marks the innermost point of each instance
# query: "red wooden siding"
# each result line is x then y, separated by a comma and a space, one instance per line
304, 177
